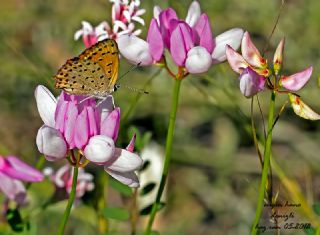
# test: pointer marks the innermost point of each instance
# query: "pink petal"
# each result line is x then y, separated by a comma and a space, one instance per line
127, 178
135, 49
17, 169
100, 149
130, 146
155, 41
194, 12
156, 12
232, 38
278, 57
46, 104
203, 29
51, 143
180, 43
124, 161
12, 188
165, 18
70, 122
111, 124
198, 60
81, 133
236, 61
296, 81
106, 107
251, 83
250, 53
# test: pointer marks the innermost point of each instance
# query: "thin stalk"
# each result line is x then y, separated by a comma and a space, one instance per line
169, 141
266, 164
70, 201
103, 222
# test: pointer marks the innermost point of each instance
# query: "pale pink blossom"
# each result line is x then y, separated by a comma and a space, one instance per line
70, 123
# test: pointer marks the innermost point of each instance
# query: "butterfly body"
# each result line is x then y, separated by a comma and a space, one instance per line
94, 72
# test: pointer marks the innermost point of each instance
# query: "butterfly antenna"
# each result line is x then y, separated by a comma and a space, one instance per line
133, 67
117, 86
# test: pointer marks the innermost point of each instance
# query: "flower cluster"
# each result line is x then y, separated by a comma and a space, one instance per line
12, 172
190, 41
255, 75
62, 179
75, 123
125, 14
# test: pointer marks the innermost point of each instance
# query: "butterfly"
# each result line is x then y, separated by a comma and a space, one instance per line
94, 72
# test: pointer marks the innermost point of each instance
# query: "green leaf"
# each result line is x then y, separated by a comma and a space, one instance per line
116, 213
121, 188
310, 231
147, 210
316, 208
147, 189
14, 220
154, 233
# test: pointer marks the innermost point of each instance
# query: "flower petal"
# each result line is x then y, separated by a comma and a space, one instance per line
130, 146
17, 169
278, 57
156, 12
165, 18
194, 12
250, 53
124, 161
296, 81
127, 178
180, 43
46, 104
81, 133
51, 143
100, 149
232, 38
251, 83
12, 188
111, 124
203, 29
135, 49
236, 61
198, 60
301, 109
155, 41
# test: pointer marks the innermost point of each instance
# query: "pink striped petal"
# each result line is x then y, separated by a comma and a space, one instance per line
70, 123
165, 18
180, 43
203, 29
250, 53
232, 38
155, 41
12, 188
251, 83
81, 133
111, 124
296, 81
236, 61
17, 169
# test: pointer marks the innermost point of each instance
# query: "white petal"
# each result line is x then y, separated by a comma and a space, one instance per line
46, 104
124, 161
100, 149
198, 60
51, 143
134, 49
138, 19
127, 178
232, 38
87, 28
62, 176
194, 13
106, 107
127, 15
78, 34
156, 13
120, 24
140, 12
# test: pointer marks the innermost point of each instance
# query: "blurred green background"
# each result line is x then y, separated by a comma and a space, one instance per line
214, 179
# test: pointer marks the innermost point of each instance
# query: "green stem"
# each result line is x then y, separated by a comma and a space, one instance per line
102, 204
266, 164
70, 201
172, 120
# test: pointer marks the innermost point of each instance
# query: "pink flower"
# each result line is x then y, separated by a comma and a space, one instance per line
62, 178
70, 123
12, 172
250, 82
190, 41
252, 59
124, 15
